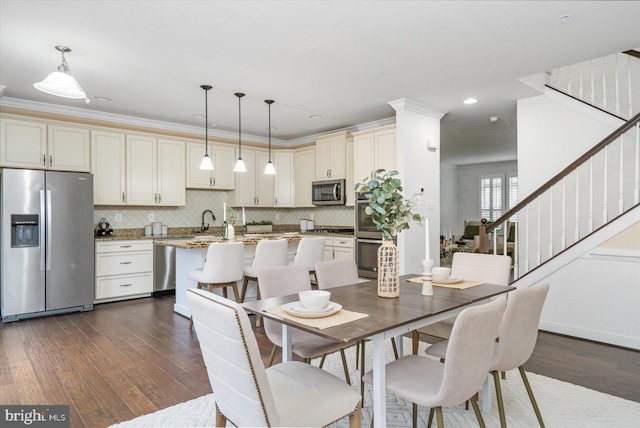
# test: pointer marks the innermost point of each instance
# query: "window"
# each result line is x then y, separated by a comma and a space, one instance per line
495, 195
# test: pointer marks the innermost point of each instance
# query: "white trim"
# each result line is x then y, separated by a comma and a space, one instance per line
417, 107
618, 254
590, 334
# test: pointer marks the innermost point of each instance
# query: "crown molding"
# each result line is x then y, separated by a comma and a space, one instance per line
406, 104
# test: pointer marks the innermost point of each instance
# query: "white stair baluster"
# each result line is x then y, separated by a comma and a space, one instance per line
604, 85
563, 239
636, 189
577, 231
516, 270
581, 88
630, 100
526, 241
539, 251
621, 198
593, 91
605, 214
591, 194
617, 85
551, 222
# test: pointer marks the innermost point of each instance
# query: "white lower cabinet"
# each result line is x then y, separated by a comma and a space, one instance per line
339, 248
124, 270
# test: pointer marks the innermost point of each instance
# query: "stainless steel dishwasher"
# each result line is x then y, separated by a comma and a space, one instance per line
164, 268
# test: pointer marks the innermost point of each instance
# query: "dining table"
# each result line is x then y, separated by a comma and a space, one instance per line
379, 319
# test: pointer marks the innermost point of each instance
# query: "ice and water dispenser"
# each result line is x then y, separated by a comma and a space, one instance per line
24, 230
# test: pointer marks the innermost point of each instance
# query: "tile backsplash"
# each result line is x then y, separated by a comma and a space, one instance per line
199, 200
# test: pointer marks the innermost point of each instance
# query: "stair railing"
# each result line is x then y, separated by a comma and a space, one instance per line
600, 185
610, 83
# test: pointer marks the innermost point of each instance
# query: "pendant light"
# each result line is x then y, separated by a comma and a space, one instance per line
269, 169
61, 83
240, 166
206, 160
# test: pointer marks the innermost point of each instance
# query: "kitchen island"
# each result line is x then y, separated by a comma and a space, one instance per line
190, 254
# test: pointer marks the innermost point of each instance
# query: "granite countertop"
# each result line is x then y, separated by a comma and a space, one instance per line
194, 243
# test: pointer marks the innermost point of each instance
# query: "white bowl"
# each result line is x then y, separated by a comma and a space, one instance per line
314, 299
440, 272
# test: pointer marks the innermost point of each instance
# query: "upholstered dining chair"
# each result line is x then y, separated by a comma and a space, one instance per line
284, 280
517, 337
309, 252
248, 395
494, 269
222, 269
428, 382
269, 253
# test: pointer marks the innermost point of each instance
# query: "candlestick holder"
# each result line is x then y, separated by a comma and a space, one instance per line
427, 284
427, 265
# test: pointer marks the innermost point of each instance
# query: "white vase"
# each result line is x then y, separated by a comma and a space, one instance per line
231, 232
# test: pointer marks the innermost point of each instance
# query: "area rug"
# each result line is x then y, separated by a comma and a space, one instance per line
563, 405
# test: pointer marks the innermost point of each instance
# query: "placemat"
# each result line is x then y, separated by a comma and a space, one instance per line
459, 286
340, 317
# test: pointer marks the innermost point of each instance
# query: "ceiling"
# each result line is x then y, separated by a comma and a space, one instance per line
342, 60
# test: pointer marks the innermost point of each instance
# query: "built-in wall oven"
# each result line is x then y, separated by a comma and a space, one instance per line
368, 240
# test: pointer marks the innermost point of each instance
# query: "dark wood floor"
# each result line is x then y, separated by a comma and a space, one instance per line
127, 359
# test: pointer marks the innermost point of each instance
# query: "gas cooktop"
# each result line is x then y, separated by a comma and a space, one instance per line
343, 231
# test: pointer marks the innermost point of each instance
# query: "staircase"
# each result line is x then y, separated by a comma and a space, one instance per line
559, 227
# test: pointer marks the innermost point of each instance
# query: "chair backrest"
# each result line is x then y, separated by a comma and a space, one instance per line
469, 352
269, 253
489, 268
223, 263
281, 281
231, 355
309, 252
471, 229
335, 273
519, 327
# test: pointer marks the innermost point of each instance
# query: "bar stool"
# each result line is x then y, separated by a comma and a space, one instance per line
222, 268
310, 251
269, 253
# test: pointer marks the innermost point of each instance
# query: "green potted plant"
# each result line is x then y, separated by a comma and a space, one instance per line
391, 213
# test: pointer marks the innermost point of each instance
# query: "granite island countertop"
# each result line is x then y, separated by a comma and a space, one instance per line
204, 241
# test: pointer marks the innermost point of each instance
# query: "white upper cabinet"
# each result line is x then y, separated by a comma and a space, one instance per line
253, 188
374, 149
155, 171
350, 192
108, 168
31, 144
222, 177
330, 156
285, 178
305, 174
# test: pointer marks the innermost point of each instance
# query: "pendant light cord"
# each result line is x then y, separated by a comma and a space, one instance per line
206, 118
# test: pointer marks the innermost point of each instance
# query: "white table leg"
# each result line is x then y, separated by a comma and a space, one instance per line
379, 381
486, 395
286, 344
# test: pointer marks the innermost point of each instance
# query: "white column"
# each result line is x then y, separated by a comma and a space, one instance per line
419, 168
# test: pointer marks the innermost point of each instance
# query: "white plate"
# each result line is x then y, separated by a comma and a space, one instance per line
296, 308
450, 280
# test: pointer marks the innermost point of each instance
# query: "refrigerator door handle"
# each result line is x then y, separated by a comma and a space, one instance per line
42, 212
48, 229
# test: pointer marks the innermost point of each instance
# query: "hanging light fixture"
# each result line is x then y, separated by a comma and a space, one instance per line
269, 168
240, 166
61, 83
206, 160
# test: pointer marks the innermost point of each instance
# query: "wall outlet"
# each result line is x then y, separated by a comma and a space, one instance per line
152, 217
429, 204
118, 217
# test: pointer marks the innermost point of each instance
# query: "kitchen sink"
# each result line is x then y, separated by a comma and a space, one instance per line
207, 238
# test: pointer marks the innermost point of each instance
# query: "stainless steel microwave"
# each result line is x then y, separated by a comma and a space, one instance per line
328, 192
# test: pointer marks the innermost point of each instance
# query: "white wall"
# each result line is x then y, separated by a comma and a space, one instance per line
596, 296
449, 200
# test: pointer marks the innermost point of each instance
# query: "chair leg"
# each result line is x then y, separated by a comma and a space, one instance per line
440, 419
414, 415
415, 339
344, 366
362, 368
324, 357
190, 323
395, 348
504, 375
258, 317
236, 295
355, 418
430, 418
358, 355
272, 356
245, 283
224, 292
531, 397
496, 381
476, 409
221, 421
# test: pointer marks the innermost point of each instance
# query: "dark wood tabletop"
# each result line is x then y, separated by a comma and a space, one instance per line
384, 313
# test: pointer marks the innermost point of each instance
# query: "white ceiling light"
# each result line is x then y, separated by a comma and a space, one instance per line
240, 166
61, 83
206, 160
269, 169
470, 101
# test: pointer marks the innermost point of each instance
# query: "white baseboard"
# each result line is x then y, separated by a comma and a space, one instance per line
598, 336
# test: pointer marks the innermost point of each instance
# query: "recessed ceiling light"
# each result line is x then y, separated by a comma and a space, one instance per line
273, 128
315, 116
199, 116
493, 119
470, 101
102, 98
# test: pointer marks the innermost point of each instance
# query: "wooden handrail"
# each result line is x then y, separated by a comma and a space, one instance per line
558, 177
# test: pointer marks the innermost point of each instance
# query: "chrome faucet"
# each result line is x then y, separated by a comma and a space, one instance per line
205, 228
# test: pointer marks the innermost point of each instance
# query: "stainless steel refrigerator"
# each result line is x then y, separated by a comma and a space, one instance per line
47, 248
